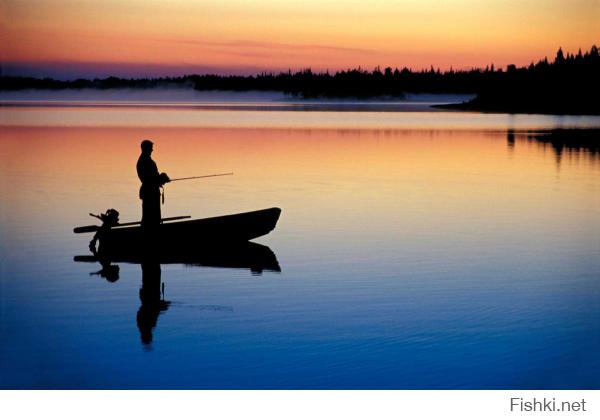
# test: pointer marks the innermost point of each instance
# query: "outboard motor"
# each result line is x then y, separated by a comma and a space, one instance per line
109, 219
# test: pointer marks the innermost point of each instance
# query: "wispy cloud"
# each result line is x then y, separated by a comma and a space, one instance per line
248, 47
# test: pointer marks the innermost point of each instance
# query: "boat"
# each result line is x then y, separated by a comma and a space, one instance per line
186, 236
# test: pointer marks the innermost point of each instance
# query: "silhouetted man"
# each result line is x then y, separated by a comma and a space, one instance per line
152, 180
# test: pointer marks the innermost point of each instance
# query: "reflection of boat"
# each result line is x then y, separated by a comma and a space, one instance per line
188, 235
250, 255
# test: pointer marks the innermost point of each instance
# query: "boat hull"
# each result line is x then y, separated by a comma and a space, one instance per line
189, 235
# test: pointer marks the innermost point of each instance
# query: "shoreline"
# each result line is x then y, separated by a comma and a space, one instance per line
277, 100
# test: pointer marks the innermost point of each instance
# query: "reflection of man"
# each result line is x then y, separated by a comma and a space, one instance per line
152, 301
152, 180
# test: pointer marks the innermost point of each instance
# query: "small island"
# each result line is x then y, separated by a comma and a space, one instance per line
568, 85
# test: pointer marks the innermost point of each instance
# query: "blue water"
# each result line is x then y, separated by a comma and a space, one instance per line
410, 259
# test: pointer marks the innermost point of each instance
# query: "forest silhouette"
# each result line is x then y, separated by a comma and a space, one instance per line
568, 84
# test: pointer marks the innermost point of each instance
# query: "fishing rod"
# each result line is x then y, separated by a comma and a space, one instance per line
162, 189
201, 176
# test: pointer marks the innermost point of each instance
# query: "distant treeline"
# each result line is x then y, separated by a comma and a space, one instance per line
569, 84
20, 83
306, 83
354, 83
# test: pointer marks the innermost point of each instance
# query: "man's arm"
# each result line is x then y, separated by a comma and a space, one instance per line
163, 178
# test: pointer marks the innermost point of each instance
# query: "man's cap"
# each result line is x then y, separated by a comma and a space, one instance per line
146, 144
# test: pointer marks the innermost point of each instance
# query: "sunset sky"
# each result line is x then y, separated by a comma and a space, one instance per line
137, 38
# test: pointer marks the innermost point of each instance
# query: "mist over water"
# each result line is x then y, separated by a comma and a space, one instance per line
187, 96
169, 95
418, 250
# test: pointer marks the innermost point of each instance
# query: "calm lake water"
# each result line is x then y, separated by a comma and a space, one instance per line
418, 250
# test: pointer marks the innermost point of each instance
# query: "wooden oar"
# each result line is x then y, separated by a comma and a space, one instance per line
94, 228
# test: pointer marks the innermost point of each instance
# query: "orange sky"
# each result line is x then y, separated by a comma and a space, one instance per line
150, 37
